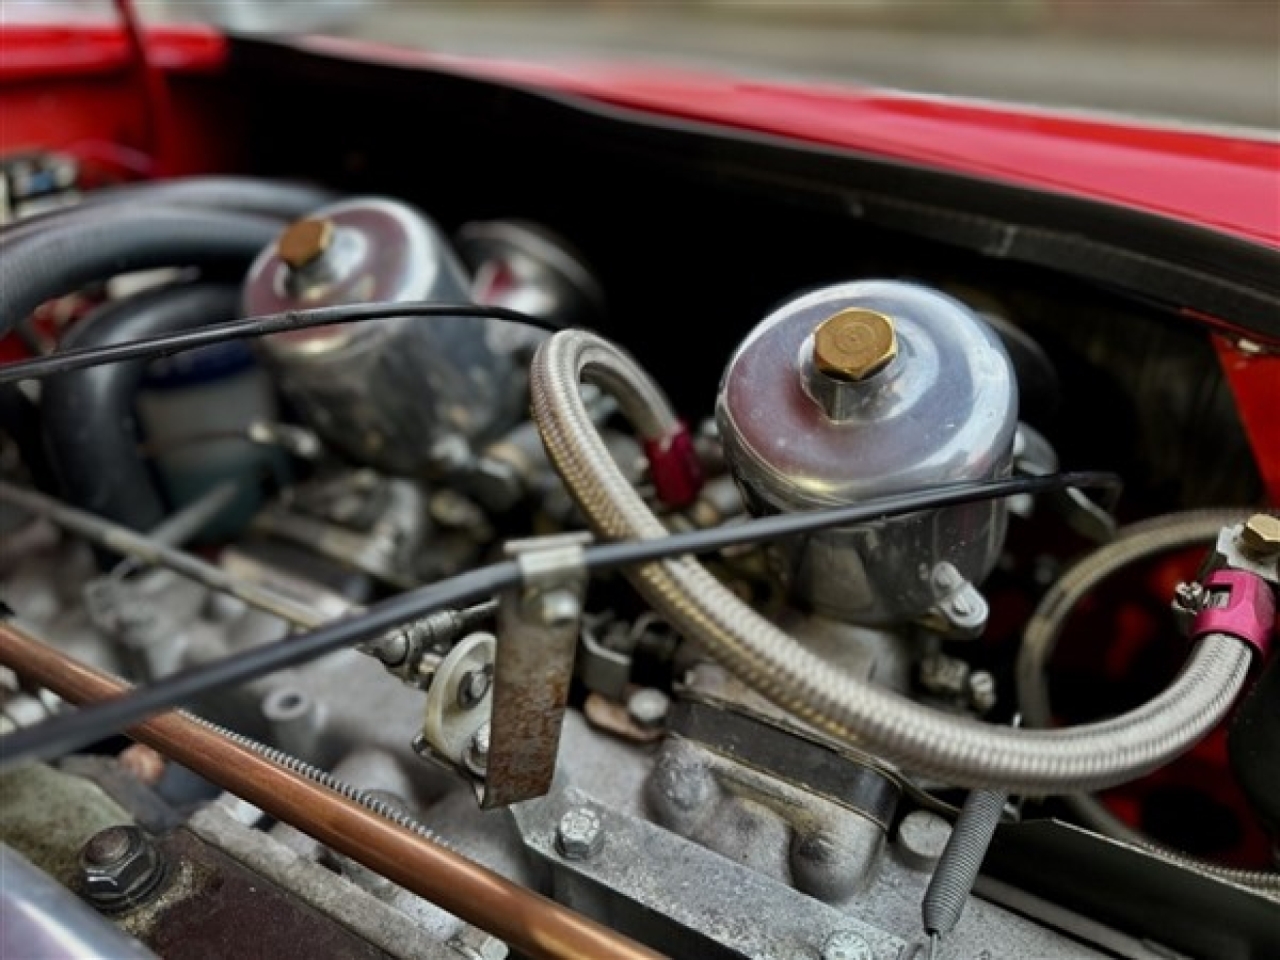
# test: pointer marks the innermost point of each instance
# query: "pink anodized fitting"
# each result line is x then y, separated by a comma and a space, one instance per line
1248, 614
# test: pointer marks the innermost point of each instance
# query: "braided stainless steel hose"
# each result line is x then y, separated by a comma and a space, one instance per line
1133, 543
956, 750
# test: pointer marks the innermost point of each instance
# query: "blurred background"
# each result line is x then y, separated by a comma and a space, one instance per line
1211, 62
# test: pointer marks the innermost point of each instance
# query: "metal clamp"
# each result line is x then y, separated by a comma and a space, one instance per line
1238, 603
674, 466
538, 626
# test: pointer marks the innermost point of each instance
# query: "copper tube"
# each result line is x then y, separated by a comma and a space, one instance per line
529, 922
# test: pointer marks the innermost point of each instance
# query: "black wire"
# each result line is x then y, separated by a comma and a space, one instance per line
79, 729
150, 348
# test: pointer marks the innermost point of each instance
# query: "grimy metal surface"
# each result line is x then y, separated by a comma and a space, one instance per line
532, 924
532, 673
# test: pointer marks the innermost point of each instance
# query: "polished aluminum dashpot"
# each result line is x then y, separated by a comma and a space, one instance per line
862, 390
385, 392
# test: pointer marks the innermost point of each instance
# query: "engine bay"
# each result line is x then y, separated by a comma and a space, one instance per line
569, 542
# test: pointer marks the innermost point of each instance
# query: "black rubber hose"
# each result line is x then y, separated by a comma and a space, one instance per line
68, 255
281, 200
1253, 744
20, 419
88, 415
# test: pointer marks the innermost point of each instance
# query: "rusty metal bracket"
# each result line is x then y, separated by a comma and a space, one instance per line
538, 626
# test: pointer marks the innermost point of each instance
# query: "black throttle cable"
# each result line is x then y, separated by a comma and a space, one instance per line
150, 348
73, 731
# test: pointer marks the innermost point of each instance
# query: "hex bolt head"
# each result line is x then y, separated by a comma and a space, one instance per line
648, 707
846, 945
107, 847
303, 241
1260, 536
854, 344
119, 867
580, 834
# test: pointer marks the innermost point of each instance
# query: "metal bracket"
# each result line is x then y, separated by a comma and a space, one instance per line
538, 627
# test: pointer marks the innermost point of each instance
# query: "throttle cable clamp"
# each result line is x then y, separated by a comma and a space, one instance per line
1238, 603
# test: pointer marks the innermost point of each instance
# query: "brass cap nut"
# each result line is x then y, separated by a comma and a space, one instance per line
1260, 535
304, 240
854, 344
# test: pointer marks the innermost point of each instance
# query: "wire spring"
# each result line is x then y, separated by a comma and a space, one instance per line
374, 804
961, 860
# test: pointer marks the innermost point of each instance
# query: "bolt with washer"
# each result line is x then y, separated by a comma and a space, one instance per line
580, 834
120, 868
1260, 536
846, 945
648, 707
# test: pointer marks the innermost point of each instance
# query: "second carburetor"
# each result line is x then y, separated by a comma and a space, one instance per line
864, 390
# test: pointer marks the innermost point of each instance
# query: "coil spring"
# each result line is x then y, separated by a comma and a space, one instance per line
961, 860
374, 804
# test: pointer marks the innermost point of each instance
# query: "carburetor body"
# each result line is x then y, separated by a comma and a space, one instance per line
862, 390
383, 392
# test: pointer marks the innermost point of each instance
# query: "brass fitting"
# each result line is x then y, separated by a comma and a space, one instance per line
1260, 535
854, 344
304, 240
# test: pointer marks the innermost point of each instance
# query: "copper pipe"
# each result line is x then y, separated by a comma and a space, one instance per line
529, 922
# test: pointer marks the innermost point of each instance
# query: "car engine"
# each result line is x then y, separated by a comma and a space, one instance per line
475, 624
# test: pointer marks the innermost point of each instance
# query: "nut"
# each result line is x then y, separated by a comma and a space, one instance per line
854, 344
1260, 536
119, 867
580, 834
304, 240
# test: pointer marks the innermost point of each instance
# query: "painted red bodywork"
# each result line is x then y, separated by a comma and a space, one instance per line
76, 89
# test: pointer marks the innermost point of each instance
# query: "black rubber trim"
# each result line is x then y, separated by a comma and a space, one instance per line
1176, 265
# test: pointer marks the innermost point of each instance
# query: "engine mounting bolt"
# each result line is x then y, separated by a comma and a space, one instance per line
580, 834
119, 867
1260, 536
648, 707
846, 945
304, 240
854, 344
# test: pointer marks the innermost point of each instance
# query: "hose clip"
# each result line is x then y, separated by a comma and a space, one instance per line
674, 466
1238, 603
